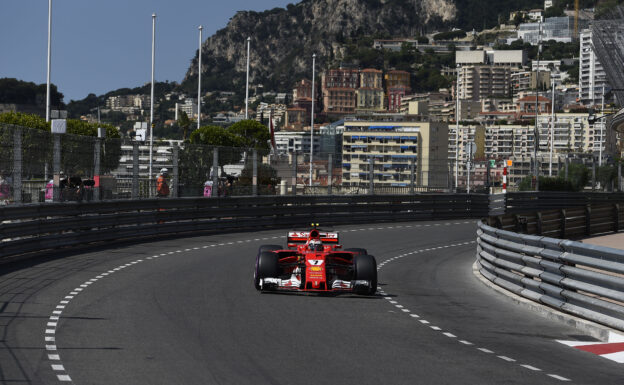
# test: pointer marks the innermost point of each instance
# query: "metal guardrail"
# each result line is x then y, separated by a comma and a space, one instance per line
29, 229
584, 280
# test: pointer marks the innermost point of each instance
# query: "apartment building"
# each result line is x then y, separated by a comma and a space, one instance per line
393, 143
338, 88
370, 94
397, 87
288, 142
592, 76
477, 82
483, 74
523, 81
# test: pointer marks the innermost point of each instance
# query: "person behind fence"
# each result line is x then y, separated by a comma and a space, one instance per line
5, 188
162, 188
63, 185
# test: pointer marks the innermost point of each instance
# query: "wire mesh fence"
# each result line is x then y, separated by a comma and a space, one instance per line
37, 166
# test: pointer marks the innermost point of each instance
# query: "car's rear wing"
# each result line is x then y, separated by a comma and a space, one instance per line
303, 236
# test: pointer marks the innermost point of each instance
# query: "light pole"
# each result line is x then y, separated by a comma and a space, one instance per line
151, 146
199, 71
601, 129
49, 59
312, 117
537, 83
247, 84
552, 126
457, 132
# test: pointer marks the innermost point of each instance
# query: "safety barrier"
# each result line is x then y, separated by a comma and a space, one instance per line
584, 280
39, 228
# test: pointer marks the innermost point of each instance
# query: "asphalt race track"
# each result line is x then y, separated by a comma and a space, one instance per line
184, 311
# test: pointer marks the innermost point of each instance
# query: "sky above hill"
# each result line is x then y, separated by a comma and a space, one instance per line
100, 46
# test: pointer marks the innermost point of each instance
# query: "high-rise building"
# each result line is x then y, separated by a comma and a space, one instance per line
592, 76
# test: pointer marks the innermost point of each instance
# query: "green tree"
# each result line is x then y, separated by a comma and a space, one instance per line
252, 134
195, 158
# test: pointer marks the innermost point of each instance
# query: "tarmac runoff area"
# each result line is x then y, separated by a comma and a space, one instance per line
615, 241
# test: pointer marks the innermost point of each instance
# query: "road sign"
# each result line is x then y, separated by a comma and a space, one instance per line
470, 148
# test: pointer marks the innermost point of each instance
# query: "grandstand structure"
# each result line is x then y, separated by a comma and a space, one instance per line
608, 44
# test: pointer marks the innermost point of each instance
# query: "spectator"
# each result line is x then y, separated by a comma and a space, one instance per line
162, 188
5, 189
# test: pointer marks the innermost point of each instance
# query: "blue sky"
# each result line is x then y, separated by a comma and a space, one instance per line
99, 46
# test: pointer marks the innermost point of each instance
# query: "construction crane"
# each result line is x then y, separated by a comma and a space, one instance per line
576, 18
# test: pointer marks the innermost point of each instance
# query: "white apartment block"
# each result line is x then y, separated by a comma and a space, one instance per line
289, 142
394, 146
482, 74
592, 77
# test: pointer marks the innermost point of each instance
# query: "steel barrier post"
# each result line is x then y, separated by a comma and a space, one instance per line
330, 173
620, 176
135, 170
593, 176
56, 166
215, 172
412, 175
97, 154
371, 176
294, 174
254, 187
567, 162
174, 177
17, 165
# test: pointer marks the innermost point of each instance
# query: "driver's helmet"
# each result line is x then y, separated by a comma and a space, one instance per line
315, 245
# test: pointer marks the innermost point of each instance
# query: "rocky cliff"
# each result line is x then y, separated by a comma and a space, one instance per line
283, 40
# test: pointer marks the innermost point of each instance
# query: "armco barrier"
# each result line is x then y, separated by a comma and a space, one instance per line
33, 229
584, 280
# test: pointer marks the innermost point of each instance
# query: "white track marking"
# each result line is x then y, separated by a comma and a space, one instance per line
533, 368
450, 335
558, 377
504, 358
484, 350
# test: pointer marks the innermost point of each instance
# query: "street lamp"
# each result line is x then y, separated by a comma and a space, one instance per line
151, 146
247, 84
312, 117
49, 59
199, 71
552, 126
537, 83
457, 132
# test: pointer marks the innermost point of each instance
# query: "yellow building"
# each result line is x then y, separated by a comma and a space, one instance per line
394, 142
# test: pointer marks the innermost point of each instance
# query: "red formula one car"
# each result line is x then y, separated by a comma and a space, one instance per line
314, 262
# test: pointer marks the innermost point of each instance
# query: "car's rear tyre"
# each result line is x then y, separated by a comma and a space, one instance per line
357, 251
365, 269
266, 267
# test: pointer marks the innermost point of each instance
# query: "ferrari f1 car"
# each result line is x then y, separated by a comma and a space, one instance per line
314, 262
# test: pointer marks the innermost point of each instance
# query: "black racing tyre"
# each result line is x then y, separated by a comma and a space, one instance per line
365, 268
266, 267
269, 248
357, 251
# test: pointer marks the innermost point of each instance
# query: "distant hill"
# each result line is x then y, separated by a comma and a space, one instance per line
283, 40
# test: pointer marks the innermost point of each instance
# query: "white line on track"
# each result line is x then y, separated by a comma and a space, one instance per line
436, 328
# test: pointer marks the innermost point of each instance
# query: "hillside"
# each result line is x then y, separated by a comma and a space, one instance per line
283, 40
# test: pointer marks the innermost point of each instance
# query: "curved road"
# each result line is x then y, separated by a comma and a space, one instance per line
184, 311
